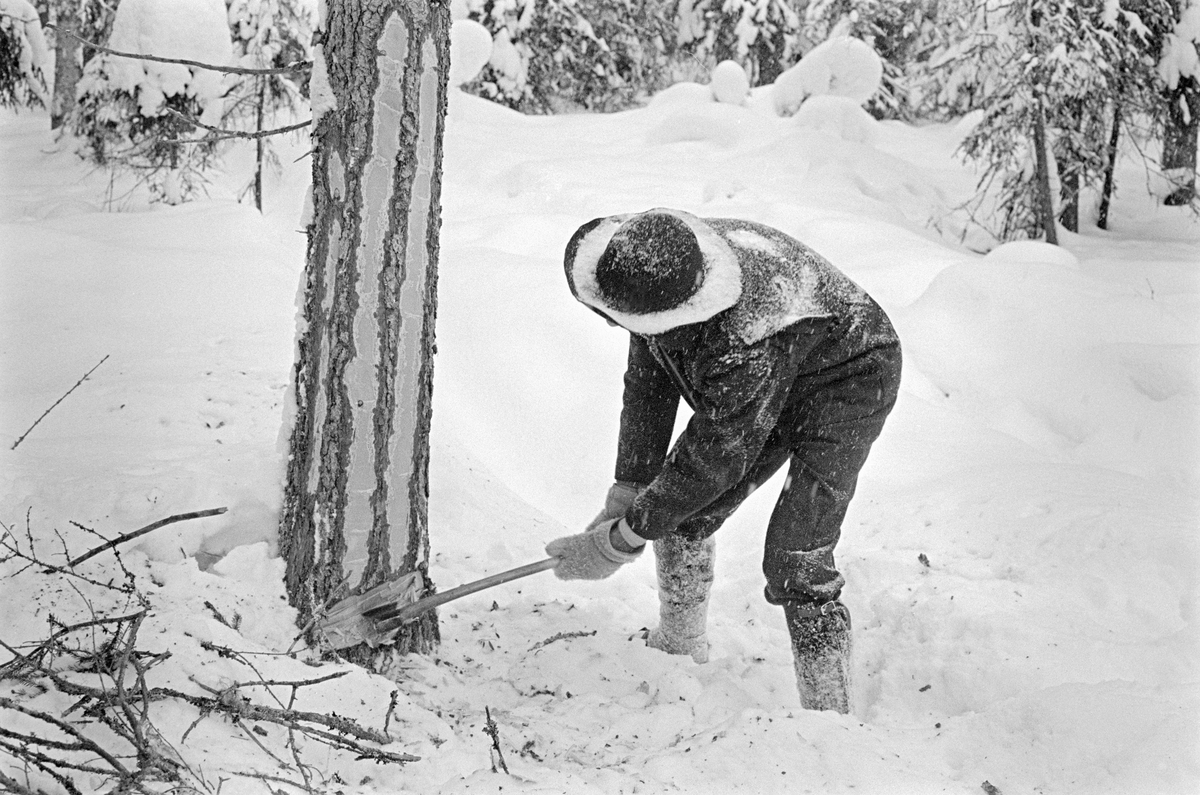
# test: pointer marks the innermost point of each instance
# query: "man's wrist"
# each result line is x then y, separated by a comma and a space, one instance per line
623, 539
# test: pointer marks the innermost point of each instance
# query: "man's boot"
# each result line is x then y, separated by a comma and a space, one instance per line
685, 575
821, 649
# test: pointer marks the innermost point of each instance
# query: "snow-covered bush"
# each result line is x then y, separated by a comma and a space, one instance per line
24, 58
560, 55
901, 32
840, 67
127, 110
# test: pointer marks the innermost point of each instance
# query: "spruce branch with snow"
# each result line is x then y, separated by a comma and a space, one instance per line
24, 57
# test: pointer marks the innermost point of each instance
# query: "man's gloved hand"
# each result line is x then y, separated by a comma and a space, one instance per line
589, 555
620, 496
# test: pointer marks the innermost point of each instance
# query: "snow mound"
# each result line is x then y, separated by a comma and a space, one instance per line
716, 123
1049, 340
684, 93
730, 83
843, 67
1032, 251
470, 50
839, 116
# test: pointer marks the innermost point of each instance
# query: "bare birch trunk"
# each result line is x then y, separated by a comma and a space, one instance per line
355, 501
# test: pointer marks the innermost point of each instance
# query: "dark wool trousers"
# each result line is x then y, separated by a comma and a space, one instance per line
825, 433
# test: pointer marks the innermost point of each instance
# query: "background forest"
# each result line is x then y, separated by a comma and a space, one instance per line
1059, 83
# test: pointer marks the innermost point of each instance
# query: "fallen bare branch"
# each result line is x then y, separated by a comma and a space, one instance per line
97, 666
12, 785
82, 741
60, 400
121, 539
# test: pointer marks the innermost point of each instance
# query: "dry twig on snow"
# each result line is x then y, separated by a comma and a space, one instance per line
121, 539
60, 400
561, 636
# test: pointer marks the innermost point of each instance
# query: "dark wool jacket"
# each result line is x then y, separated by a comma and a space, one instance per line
799, 326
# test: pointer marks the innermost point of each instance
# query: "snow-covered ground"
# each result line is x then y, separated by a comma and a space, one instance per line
1021, 557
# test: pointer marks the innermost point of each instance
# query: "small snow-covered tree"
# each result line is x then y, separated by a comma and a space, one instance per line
267, 34
24, 57
132, 113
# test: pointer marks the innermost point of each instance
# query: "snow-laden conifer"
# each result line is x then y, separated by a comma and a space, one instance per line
24, 58
266, 34
132, 113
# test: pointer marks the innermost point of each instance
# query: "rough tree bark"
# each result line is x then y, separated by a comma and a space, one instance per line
68, 61
1110, 166
355, 501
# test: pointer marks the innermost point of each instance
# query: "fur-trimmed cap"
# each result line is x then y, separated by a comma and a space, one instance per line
653, 271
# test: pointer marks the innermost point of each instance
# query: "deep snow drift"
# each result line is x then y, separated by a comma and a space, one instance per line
1021, 556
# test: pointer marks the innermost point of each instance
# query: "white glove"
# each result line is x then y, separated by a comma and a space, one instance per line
590, 555
620, 496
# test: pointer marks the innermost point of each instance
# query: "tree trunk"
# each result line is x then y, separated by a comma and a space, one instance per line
1068, 215
355, 500
1070, 164
1179, 141
1045, 203
1110, 167
259, 143
68, 64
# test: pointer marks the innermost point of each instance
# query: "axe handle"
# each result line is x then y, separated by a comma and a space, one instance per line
407, 613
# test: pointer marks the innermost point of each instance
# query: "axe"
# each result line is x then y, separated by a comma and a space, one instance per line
375, 616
